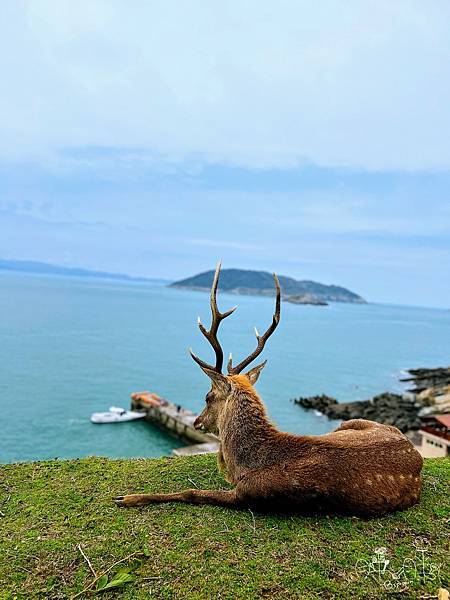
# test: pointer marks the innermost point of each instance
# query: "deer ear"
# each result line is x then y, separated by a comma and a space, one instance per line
217, 379
253, 374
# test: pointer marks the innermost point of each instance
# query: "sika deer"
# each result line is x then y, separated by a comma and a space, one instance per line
362, 467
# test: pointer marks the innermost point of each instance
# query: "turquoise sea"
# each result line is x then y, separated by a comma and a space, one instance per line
69, 347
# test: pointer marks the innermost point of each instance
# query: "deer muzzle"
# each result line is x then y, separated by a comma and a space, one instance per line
198, 423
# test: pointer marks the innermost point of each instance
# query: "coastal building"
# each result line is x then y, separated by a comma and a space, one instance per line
435, 434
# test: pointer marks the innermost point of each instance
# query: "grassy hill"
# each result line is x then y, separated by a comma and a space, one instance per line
241, 281
48, 509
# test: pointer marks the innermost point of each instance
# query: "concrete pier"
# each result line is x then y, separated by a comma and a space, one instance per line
175, 420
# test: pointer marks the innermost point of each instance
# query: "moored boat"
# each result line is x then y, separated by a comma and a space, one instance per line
116, 415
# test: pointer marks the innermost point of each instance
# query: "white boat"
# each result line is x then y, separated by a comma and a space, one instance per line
116, 415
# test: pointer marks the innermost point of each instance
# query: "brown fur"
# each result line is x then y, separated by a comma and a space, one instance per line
362, 467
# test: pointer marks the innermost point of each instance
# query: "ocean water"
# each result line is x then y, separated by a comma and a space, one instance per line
69, 347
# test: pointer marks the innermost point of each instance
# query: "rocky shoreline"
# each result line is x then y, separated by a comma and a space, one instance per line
305, 299
387, 408
429, 395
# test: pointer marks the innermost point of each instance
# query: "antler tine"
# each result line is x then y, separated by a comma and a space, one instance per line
200, 362
216, 319
230, 362
262, 339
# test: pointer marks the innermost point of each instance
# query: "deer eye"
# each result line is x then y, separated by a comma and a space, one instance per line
209, 397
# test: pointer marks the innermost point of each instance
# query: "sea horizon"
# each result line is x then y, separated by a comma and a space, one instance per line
72, 346
158, 282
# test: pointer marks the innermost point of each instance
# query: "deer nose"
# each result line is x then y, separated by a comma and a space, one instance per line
198, 424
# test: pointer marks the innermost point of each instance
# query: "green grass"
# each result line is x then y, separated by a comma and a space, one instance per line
208, 552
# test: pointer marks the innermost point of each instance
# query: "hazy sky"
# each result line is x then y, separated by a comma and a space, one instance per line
310, 138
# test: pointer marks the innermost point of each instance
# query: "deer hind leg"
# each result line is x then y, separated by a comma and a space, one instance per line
365, 424
357, 424
217, 497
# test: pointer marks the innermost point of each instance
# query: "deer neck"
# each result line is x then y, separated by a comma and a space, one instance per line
245, 432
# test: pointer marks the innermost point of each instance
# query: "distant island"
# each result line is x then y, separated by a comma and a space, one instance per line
260, 283
30, 266
235, 281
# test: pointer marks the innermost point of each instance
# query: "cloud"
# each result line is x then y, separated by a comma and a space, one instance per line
237, 204
306, 138
252, 84
222, 244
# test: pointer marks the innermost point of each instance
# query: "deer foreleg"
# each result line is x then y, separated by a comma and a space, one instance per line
217, 497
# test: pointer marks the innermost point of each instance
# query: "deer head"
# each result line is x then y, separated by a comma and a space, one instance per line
221, 384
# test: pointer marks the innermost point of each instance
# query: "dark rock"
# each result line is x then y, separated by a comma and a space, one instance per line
320, 403
387, 408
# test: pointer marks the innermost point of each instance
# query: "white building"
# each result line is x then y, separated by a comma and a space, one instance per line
435, 434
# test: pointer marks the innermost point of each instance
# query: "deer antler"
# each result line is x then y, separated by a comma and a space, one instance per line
211, 335
262, 339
